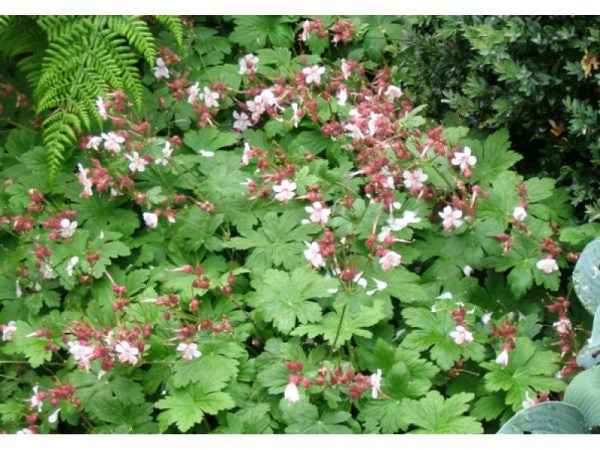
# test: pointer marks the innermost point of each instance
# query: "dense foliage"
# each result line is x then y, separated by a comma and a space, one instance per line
278, 241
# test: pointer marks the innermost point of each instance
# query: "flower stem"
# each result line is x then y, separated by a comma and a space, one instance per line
337, 332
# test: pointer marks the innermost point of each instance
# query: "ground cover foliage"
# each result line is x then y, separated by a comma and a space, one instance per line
263, 231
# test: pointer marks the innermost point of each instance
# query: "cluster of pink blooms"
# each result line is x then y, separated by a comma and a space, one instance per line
564, 329
354, 383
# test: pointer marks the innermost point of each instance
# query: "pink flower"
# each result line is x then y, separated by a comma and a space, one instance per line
313, 74
451, 218
318, 213
127, 353
166, 154
190, 351
346, 69
547, 265
242, 121
461, 335
285, 190
389, 259
342, 96
94, 142
414, 179
305, 31
248, 64
81, 353
464, 159
35, 401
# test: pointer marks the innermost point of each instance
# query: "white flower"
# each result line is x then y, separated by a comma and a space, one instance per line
194, 93
112, 141
34, 400
166, 154
414, 179
207, 153
81, 354
47, 272
8, 330
285, 190
291, 393
313, 254
547, 265
375, 383
318, 213
248, 64
150, 219
18, 291
451, 218
71, 265
407, 218
24, 431
464, 159
342, 96
502, 358
389, 259
528, 402
562, 326
248, 153
101, 108
242, 121
94, 142
372, 124
305, 31
461, 335
445, 296
486, 318
161, 70
256, 107
345, 69
295, 116
190, 351
85, 181
67, 228
54, 416
354, 131
313, 74
266, 97
519, 213
136, 163
127, 353
384, 234
210, 98
380, 286
392, 93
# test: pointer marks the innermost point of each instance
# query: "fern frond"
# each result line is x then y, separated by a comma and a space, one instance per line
174, 25
22, 36
137, 33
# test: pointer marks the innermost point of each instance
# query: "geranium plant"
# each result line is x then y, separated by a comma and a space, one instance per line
279, 242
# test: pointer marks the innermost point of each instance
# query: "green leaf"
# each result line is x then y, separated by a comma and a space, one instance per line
26, 342
285, 298
547, 418
186, 407
254, 32
493, 156
304, 418
528, 369
435, 415
278, 241
389, 415
209, 139
351, 324
584, 393
432, 331
585, 276
254, 419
